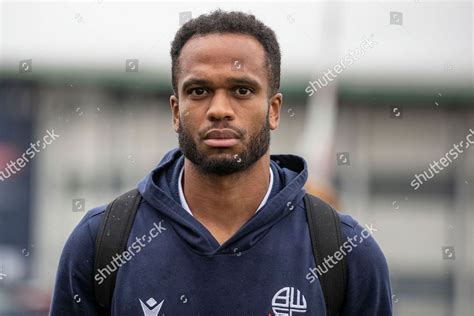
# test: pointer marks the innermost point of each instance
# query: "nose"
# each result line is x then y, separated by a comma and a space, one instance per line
220, 107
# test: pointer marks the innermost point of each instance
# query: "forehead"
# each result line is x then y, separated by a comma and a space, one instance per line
215, 56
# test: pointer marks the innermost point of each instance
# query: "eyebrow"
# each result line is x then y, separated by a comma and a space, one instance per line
245, 80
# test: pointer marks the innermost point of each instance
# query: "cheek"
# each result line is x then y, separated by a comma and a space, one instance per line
261, 120
188, 124
256, 126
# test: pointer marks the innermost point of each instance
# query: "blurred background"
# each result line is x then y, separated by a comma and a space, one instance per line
366, 132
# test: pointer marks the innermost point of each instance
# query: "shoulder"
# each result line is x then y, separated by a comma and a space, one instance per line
360, 242
75, 268
92, 219
368, 279
86, 230
347, 221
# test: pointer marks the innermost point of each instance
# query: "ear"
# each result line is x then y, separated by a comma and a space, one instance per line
276, 102
174, 103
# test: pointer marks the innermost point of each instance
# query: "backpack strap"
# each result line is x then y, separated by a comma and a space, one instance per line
325, 232
112, 240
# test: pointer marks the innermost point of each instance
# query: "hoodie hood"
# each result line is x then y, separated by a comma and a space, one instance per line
160, 190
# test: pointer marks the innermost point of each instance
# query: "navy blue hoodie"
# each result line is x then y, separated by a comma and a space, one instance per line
174, 266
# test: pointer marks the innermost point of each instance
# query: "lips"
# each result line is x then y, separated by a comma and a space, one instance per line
221, 138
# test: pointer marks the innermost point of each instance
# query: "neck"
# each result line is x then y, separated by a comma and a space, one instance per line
224, 203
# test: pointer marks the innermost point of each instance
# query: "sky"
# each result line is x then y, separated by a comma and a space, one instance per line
416, 40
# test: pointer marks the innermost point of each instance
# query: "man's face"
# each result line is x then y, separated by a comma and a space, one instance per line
223, 116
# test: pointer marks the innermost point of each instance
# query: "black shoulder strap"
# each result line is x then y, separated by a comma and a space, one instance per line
325, 231
111, 240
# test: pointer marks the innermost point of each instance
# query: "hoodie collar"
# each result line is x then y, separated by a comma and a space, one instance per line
184, 203
160, 189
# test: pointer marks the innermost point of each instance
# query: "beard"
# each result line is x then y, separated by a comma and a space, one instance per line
256, 147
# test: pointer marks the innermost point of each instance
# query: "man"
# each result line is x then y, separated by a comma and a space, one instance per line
230, 235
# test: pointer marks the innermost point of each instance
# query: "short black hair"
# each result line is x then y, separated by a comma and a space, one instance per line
222, 22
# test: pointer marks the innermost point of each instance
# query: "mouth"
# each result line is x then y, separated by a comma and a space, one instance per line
221, 138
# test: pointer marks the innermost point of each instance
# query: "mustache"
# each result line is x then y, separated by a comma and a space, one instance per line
239, 131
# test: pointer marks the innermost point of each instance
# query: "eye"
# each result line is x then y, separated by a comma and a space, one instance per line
243, 91
199, 91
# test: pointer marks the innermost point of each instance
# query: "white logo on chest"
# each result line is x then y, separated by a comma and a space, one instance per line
288, 301
151, 307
